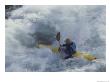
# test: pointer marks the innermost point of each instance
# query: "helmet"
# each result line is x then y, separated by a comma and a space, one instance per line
68, 41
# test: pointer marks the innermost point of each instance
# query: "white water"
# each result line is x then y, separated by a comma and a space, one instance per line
83, 24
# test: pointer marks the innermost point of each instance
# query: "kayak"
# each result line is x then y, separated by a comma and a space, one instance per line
78, 54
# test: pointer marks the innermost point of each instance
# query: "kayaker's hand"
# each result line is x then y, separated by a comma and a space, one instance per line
59, 49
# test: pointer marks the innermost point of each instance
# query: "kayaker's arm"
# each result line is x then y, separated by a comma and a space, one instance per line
63, 45
59, 49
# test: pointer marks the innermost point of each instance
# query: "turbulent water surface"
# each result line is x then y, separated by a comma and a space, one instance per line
28, 25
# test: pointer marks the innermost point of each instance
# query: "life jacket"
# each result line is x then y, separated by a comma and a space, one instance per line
72, 47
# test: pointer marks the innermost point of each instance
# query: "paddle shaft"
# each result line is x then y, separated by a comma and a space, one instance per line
58, 38
59, 43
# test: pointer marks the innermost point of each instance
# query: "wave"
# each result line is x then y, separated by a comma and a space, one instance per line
28, 25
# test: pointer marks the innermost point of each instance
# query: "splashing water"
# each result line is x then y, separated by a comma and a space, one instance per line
29, 24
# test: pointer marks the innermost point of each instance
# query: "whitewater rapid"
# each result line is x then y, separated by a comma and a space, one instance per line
28, 25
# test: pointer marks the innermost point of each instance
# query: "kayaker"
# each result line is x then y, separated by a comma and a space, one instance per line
69, 48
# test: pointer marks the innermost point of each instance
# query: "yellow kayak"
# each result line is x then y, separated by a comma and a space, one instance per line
78, 54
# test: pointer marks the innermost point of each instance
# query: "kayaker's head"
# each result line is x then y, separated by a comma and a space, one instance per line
68, 41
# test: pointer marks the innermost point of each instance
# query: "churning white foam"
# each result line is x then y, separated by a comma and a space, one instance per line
83, 24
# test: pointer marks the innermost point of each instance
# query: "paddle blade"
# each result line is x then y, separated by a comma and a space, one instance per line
58, 36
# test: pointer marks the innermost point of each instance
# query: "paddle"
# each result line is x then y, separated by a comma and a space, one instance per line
58, 36
58, 39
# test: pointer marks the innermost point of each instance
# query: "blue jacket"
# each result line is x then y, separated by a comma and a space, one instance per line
70, 47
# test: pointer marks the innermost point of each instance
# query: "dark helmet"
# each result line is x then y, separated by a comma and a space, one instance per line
68, 40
